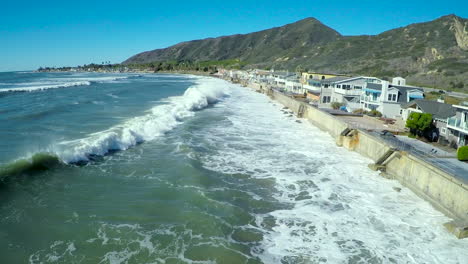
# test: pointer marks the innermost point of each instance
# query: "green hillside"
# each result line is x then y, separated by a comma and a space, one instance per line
433, 53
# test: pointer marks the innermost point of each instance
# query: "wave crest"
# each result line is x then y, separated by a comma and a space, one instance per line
65, 82
161, 119
45, 87
38, 162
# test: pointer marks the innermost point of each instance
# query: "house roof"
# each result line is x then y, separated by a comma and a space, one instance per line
438, 110
335, 79
402, 90
283, 73
374, 86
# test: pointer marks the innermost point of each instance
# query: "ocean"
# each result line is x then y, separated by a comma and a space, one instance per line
160, 168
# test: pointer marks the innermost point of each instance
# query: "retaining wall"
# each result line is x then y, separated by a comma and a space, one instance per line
442, 190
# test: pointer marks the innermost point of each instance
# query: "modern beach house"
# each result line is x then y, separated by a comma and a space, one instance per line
388, 98
343, 89
458, 126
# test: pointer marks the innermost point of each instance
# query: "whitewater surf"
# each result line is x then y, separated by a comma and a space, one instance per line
186, 169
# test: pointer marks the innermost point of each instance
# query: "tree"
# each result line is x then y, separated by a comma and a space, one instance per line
419, 123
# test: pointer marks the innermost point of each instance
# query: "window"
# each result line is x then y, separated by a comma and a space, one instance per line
357, 87
338, 86
392, 97
443, 130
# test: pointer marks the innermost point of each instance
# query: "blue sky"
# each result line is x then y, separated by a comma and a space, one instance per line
70, 33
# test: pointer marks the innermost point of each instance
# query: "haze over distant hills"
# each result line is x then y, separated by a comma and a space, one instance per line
433, 53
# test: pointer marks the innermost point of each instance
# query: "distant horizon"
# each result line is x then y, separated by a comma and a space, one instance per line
58, 35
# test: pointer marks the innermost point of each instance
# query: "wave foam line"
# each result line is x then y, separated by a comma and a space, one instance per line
45, 87
161, 119
66, 82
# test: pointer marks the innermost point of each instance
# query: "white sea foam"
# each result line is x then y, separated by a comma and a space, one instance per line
92, 79
45, 87
55, 83
158, 121
339, 210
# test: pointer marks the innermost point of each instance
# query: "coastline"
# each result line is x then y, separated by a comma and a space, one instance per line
443, 191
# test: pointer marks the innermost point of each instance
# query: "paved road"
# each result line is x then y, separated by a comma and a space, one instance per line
454, 94
444, 160
427, 148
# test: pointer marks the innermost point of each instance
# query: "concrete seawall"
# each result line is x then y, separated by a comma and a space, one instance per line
445, 192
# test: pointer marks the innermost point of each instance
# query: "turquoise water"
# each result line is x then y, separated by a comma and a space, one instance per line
185, 169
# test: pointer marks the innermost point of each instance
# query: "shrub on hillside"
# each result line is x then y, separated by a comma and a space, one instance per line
462, 153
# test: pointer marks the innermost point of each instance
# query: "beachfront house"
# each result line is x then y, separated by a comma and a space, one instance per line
309, 76
388, 98
440, 113
293, 85
344, 89
326, 88
280, 77
458, 126
348, 91
261, 77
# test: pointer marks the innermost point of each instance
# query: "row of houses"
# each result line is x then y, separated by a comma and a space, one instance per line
394, 99
361, 92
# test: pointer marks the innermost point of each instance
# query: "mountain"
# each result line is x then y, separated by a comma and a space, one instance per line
433, 53
254, 47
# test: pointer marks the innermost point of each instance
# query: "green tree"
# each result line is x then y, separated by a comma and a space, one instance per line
419, 123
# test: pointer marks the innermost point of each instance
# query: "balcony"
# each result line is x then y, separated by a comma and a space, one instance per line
348, 92
457, 124
370, 99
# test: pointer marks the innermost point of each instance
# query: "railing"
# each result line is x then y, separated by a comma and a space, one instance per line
370, 99
348, 92
457, 124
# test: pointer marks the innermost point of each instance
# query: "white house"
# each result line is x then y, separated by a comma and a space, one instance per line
345, 90
294, 85
458, 126
388, 98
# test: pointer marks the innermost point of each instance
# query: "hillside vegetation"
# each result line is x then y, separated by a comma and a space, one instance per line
433, 54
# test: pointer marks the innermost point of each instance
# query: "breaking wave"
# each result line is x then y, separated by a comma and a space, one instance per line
159, 120
38, 162
65, 82
45, 87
